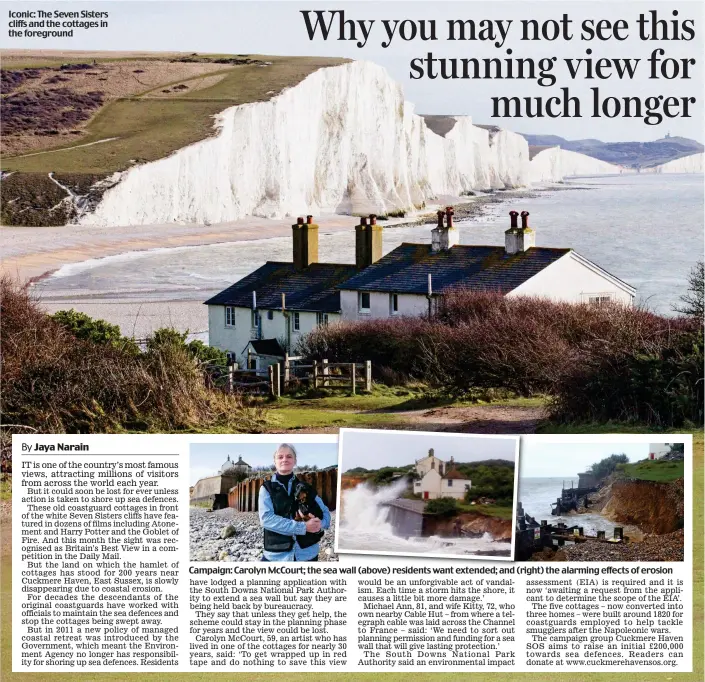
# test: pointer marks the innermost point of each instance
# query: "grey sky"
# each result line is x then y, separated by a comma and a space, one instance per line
278, 28
207, 458
377, 449
557, 460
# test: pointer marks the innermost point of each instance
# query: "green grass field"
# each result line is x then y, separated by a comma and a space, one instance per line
381, 408
661, 472
150, 129
488, 510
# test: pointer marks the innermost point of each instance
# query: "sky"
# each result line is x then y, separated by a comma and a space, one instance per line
558, 460
207, 458
376, 449
267, 27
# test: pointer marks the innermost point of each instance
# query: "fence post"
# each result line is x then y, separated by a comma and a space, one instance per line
276, 373
315, 374
352, 377
325, 373
287, 375
231, 379
368, 375
270, 371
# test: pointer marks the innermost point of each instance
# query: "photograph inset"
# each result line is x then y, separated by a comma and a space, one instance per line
429, 494
263, 501
598, 501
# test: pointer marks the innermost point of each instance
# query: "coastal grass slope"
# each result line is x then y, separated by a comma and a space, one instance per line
147, 128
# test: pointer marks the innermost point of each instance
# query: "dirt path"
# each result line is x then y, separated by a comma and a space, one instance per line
489, 419
65, 149
498, 419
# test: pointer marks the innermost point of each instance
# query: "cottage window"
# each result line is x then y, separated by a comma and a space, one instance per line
297, 322
322, 319
450, 482
229, 316
363, 301
393, 304
599, 299
255, 319
270, 314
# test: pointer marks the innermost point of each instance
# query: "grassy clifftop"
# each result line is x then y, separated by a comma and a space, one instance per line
151, 106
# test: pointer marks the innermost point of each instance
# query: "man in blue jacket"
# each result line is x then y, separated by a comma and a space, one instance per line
284, 538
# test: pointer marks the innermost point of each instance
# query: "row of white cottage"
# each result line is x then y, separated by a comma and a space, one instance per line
268, 311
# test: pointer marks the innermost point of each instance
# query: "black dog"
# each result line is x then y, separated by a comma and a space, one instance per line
305, 502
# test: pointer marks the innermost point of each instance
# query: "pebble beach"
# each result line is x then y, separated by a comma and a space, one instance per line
230, 535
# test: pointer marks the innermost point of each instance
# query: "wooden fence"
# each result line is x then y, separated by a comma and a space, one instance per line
247, 381
244, 496
290, 375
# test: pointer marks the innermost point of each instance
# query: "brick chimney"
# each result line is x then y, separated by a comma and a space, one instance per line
518, 239
305, 242
368, 242
444, 237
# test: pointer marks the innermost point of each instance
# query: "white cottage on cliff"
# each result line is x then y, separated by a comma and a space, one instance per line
270, 309
410, 279
439, 479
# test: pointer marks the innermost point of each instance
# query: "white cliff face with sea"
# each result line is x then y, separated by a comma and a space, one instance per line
343, 140
554, 164
686, 164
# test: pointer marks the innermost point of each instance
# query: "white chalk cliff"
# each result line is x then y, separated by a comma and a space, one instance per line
343, 140
554, 164
686, 164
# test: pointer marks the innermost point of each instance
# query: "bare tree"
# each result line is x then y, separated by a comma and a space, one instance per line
693, 302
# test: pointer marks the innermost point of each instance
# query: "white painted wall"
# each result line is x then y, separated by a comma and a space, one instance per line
411, 305
658, 450
430, 483
571, 281
235, 339
429, 463
436, 487
456, 489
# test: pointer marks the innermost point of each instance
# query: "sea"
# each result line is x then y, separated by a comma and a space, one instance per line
364, 526
645, 229
537, 494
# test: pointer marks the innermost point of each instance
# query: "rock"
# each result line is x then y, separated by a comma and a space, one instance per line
228, 532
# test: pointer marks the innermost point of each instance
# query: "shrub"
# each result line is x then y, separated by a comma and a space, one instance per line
101, 332
606, 466
211, 360
488, 480
48, 109
384, 475
444, 506
54, 382
208, 356
659, 383
598, 362
236, 474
